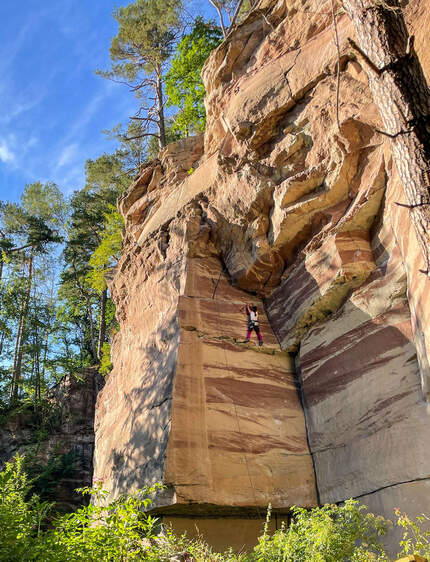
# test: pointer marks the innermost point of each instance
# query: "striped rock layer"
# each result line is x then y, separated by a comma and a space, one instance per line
277, 206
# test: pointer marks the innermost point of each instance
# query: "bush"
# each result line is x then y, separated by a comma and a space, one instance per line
20, 517
105, 362
106, 531
45, 474
121, 531
329, 533
415, 540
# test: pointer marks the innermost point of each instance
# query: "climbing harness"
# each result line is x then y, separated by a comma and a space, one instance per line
253, 320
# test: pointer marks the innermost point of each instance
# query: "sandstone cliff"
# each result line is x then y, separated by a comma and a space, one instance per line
277, 206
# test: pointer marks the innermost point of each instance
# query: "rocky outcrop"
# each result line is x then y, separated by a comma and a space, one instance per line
281, 206
58, 444
213, 418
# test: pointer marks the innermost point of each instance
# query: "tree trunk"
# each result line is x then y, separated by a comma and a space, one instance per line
87, 300
45, 353
3, 236
401, 93
102, 329
14, 385
36, 361
19, 345
92, 331
217, 7
160, 108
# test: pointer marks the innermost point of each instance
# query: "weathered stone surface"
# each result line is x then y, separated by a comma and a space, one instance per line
224, 532
132, 418
366, 416
285, 208
319, 285
409, 497
218, 421
245, 425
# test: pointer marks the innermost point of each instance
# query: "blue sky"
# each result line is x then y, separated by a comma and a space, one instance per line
53, 106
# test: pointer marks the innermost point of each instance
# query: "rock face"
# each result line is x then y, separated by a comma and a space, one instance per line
64, 445
220, 422
279, 206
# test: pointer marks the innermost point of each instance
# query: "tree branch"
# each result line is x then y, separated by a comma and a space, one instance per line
221, 19
142, 136
365, 57
235, 15
144, 119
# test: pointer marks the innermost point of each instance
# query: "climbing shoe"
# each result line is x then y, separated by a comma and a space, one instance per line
260, 343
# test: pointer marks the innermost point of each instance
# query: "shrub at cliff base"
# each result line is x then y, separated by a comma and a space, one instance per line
329, 533
120, 531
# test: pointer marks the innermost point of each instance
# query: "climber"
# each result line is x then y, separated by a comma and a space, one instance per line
253, 324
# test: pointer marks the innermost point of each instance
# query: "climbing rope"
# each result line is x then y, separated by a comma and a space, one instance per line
232, 401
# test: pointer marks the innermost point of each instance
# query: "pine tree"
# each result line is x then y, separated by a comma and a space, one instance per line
148, 30
30, 228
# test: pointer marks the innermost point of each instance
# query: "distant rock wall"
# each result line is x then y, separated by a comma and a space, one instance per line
278, 206
69, 431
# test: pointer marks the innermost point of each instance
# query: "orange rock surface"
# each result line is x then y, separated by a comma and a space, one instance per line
278, 206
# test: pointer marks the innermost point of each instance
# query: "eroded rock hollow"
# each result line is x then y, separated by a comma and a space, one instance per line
278, 206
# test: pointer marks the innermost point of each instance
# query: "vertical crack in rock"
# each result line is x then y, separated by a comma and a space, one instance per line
298, 381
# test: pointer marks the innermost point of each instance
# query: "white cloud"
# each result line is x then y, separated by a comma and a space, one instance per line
67, 155
32, 141
6, 154
10, 51
78, 127
18, 107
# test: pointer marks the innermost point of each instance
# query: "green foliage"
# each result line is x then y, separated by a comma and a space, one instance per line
44, 201
121, 530
329, 533
92, 212
108, 251
99, 531
415, 539
168, 544
106, 174
132, 149
36, 221
147, 30
184, 86
105, 363
29, 231
20, 517
106, 531
45, 475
